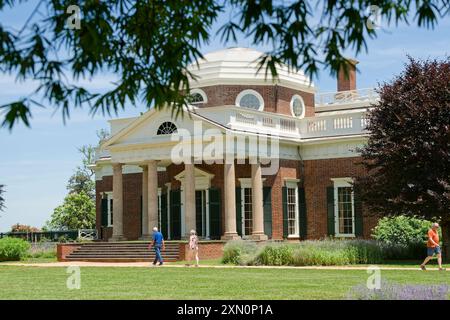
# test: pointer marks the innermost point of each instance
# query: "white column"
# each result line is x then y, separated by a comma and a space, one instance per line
117, 203
189, 198
230, 202
257, 204
152, 194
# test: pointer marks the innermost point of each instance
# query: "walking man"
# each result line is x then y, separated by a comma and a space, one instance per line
158, 245
433, 247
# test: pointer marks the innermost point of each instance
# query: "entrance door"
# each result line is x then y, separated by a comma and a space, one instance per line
201, 213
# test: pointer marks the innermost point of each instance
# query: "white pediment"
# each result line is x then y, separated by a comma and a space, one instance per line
143, 130
202, 178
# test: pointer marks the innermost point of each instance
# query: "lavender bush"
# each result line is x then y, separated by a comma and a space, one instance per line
394, 291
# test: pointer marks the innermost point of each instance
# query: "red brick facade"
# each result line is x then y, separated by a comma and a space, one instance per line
315, 175
64, 249
206, 250
277, 99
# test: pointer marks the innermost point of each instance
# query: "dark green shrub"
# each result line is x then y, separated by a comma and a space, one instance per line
13, 249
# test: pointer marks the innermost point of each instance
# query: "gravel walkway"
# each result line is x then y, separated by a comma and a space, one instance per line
168, 265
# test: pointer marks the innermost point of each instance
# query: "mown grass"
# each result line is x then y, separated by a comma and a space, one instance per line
195, 283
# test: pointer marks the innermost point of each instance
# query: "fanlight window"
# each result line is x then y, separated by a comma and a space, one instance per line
196, 98
167, 128
250, 101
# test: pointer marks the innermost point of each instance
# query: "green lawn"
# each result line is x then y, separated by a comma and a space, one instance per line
194, 283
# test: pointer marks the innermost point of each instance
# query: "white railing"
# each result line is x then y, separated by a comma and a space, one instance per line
311, 127
346, 97
87, 234
247, 121
335, 125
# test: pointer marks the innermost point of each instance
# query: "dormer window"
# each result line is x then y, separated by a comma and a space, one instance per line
297, 106
166, 128
250, 99
197, 96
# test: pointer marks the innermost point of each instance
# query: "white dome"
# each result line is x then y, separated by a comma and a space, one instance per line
240, 66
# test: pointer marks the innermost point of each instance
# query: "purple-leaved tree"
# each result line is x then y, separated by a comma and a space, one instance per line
408, 152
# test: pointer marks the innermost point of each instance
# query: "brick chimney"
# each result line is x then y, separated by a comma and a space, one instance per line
347, 81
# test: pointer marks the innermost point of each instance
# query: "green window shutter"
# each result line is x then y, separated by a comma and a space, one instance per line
104, 212
267, 206
330, 210
358, 212
164, 225
302, 212
142, 216
238, 212
285, 212
175, 214
214, 214
199, 212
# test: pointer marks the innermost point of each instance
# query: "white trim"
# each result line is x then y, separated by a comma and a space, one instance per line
168, 186
243, 207
293, 184
343, 183
109, 197
202, 93
159, 209
291, 104
247, 182
253, 92
202, 179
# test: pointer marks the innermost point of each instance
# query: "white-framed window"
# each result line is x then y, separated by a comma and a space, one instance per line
247, 214
250, 99
297, 106
344, 207
247, 205
109, 197
197, 96
292, 207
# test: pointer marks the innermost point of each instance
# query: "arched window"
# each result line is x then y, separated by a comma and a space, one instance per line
297, 106
167, 128
197, 96
250, 99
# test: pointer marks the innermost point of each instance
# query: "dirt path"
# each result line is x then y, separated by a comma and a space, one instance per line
168, 265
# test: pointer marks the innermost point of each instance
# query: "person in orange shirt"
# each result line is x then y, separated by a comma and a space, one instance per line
433, 247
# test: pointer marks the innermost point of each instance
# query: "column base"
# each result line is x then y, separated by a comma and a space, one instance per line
117, 238
230, 236
145, 237
259, 237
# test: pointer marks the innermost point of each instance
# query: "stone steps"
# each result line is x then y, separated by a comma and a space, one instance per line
122, 252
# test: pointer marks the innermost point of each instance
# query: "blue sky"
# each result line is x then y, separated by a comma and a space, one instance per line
36, 162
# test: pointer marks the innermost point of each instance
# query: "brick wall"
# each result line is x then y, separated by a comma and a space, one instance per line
64, 249
276, 98
318, 174
206, 250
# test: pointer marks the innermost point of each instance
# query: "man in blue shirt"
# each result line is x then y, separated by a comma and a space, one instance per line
158, 245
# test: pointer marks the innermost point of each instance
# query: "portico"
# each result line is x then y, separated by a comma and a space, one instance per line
194, 195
